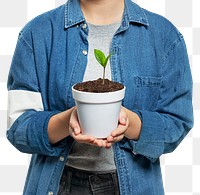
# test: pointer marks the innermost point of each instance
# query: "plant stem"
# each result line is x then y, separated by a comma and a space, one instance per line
104, 70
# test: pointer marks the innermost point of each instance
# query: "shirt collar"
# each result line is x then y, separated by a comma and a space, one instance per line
135, 13
74, 15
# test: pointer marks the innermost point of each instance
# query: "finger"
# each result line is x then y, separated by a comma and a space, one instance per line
75, 131
74, 123
118, 138
108, 145
98, 143
112, 140
88, 139
121, 129
118, 133
123, 116
83, 138
122, 120
101, 142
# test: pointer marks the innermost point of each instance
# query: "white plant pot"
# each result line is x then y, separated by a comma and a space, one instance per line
98, 113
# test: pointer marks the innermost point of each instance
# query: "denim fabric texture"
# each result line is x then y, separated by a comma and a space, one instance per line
149, 58
79, 182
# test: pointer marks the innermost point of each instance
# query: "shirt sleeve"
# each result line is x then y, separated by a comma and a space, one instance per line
164, 128
27, 119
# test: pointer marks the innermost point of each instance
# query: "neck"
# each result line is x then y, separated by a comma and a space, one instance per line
102, 12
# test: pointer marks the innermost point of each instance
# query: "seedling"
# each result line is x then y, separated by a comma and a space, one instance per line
102, 59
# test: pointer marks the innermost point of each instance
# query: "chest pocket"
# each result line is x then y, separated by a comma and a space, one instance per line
147, 92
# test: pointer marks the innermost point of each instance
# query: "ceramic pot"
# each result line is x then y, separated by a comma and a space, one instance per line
98, 113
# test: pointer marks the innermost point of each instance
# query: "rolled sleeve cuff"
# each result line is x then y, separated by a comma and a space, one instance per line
29, 133
151, 141
41, 130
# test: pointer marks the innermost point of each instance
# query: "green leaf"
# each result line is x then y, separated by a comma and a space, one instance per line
100, 57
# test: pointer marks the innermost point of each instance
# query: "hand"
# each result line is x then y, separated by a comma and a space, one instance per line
118, 134
76, 132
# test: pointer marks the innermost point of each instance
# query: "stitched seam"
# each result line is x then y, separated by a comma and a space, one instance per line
23, 40
172, 47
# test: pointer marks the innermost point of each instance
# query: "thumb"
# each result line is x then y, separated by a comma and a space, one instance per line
74, 123
123, 117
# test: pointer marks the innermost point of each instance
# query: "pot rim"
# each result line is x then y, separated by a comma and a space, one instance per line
85, 92
90, 97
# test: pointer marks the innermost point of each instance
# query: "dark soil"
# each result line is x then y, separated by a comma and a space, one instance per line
97, 86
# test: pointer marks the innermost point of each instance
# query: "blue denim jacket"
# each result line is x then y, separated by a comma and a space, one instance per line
149, 58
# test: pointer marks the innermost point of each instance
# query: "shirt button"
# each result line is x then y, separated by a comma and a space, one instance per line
84, 26
135, 153
50, 193
85, 52
62, 158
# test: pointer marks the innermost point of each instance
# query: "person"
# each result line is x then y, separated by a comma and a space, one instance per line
53, 52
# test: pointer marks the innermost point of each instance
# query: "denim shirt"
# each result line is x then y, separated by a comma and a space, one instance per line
149, 58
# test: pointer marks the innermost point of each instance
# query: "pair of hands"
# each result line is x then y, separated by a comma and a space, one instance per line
115, 136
